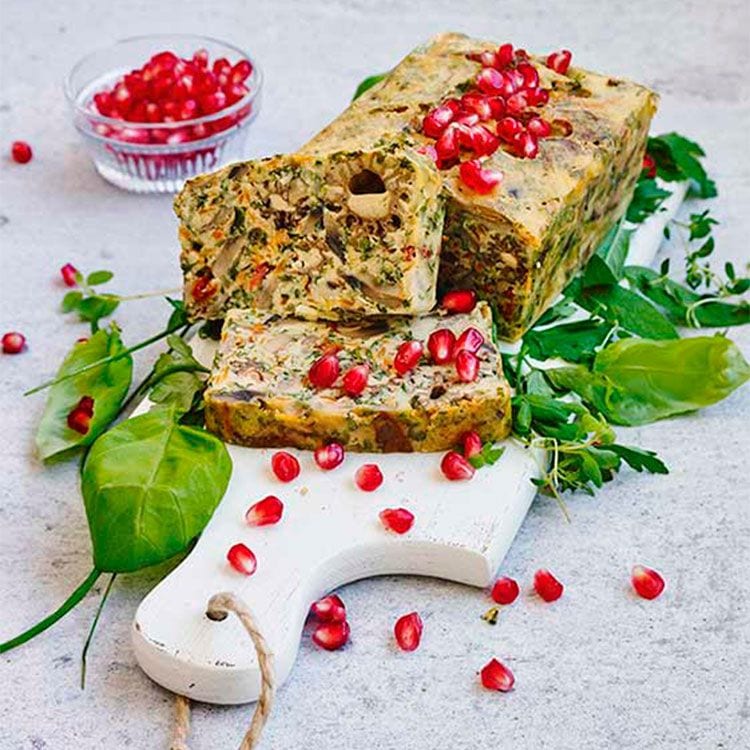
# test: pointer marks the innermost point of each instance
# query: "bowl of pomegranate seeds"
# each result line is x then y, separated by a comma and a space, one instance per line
157, 110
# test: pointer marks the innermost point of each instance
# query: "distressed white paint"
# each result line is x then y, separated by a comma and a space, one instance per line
330, 535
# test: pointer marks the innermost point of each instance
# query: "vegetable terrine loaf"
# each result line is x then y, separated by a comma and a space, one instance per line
354, 234
261, 390
519, 244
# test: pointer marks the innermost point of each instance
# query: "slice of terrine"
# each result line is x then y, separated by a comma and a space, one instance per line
520, 243
354, 234
261, 393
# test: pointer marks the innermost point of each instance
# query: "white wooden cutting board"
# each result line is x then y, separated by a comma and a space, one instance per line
329, 535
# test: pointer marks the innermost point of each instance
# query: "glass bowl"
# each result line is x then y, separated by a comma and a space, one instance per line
157, 157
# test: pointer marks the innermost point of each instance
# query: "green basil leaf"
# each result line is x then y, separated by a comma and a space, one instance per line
628, 310
607, 263
150, 486
99, 277
368, 83
70, 301
93, 309
174, 380
647, 199
107, 385
639, 458
560, 311
678, 158
574, 342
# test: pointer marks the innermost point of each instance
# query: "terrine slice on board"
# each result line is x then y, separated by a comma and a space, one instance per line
350, 234
260, 394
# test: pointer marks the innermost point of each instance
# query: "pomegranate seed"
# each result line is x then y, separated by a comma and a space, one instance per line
649, 165
408, 631
329, 609
505, 591
332, 635
329, 456
368, 477
164, 60
221, 66
455, 467
497, 106
324, 371
398, 520
508, 128
79, 421
68, 273
537, 97
490, 81
203, 288
178, 136
538, 127
200, 58
265, 512
103, 103
646, 582
188, 110
13, 342
242, 559
153, 112
471, 340
407, 357
285, 466
517, 103
469, 120
547, 586
235, 92
459, 301
210, 103
530, 75
487, 59
467, 366
86, 405
478, 179
496, 676
479, 104
437, 120
526, 145
447, 147
472, 444
241, 71
504, 54
560, 61
355, 380
481, 141
20, 151
440, 345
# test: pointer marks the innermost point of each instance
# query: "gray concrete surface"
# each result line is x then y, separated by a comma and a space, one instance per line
599, 669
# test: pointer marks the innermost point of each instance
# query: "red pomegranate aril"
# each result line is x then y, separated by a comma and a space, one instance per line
165, 60
508, 128
241, 71
21, 152
649, 166
447, 146
242, 559
472, 444
221, 66
479, 179
530, 75
103, 103
235, 92
332, 635
459, 301
504, 591
210, 103
517, 103
355, 380
547, 586
181, 135
538, 127
285, 466
497, 106
526, 145
440, 345
490, 81
69, 273
188, 110
265, 512
324, 371
455, 467
470, 340
368, 477
408, 631
437, 120
13, 342
153, 112
407, 356
504, 54
647, 583
86, 405
79, 421
200, 58
481, 141
560, 61
537, 97
329, 456
135, 84
397, 520
496, 676
479, 104
329, 609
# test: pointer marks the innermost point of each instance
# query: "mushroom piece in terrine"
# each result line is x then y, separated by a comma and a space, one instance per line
352, 234
519, 244
261, 394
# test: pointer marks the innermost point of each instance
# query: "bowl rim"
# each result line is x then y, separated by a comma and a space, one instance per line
254, 85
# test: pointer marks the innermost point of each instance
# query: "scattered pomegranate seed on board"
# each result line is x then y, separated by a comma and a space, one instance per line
21, 152
477, 178
407, 357
496, 676
547, 586
408, 631
13, 342
242, 559
472, 444
467, 366
459, 301
324, 371
504, 591
329, 609
440, 344
355, 380
332, 635
398, 520
455, 467
265, 512
329, 456
560, 61
368, 477
285, 466
647, 583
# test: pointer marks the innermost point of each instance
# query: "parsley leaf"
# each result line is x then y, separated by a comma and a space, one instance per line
489, 455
